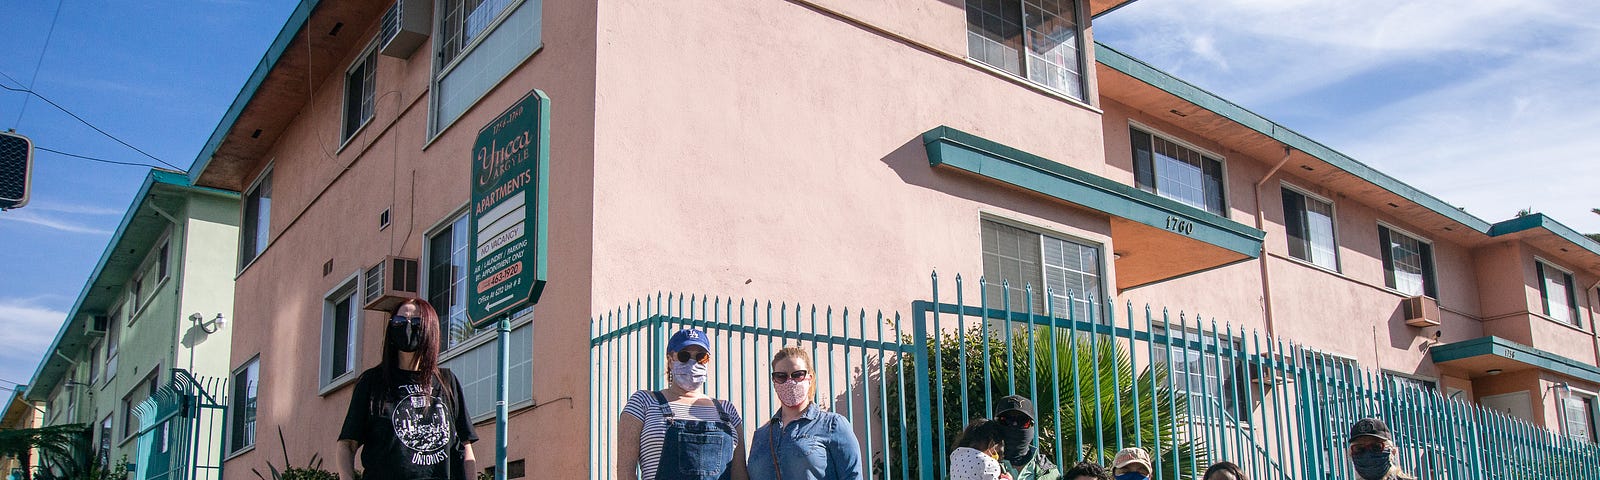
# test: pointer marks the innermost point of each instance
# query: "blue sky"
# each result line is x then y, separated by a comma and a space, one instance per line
1489, 105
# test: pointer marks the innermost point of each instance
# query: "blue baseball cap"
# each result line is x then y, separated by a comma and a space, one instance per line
687, 337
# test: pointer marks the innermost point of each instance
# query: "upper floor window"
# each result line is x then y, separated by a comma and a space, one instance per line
359, 84
1033, 39
1407, 263
257, 219
1174, 171
463, 22
1070, 270
447, 282
1308, 221
478, 43
1560, 297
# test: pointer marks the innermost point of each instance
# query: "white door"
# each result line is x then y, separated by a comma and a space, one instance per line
1516, 404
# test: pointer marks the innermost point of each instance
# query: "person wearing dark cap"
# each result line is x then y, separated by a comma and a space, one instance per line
680, 432
1086, 471
1372, 451
1021, 457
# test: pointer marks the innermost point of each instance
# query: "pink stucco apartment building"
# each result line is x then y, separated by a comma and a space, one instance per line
833, 151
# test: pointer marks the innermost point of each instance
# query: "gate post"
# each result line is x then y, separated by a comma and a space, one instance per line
925, 428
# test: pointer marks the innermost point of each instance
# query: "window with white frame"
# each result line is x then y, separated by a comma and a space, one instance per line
1214, 380
477, 43
94, 362
1177, 172
447, 282
1578, 412
1559, 295
360, 81
1308, 221
1408, 383
341, 343
145, 389
257, 219
103, 450
113, 341
242, 407
1020, 258
144, 282
1407, 263
1034, 39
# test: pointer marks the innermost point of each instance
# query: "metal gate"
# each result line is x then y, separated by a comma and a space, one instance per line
181, 429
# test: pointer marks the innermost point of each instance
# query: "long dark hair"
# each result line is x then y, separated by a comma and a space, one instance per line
428, 355
1225, 467
981, 435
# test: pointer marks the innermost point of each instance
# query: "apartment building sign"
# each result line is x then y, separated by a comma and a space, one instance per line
510, 192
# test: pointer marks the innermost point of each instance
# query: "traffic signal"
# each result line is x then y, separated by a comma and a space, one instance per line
16, 169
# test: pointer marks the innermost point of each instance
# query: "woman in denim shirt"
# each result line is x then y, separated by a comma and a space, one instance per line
802, 442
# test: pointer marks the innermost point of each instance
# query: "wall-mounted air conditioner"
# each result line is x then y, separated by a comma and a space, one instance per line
390, 282
1421, 311
405, 27
97, 325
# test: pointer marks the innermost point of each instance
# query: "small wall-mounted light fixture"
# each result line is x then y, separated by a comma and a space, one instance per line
209, 326
1493, 371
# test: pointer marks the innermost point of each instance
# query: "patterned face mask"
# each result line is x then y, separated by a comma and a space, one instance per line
792, 393
689, 375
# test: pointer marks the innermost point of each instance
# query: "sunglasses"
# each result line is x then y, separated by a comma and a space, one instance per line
701, 357
1369, 448
1016, 421
797, 375
401, 319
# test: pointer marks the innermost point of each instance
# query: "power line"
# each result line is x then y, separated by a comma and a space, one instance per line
47, 36
91, 125
102, 160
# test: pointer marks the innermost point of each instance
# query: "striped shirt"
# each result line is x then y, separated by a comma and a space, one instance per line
642, 405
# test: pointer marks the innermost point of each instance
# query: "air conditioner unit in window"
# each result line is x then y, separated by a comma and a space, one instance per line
97, 325
390, 282
1421, 311
405, 27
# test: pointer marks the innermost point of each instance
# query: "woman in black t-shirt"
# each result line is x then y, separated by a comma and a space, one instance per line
407, 415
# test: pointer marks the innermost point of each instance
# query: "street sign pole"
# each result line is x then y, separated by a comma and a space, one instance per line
509, 228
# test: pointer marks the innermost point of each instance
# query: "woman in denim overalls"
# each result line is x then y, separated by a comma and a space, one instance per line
680, 433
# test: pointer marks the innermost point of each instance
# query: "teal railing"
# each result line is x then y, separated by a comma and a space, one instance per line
1190, 391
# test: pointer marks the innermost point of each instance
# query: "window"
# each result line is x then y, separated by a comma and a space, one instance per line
447, 282
1407, 383
145, 389
257, 219
1215, 382
359, 84
1309, 223
341, 322
1578, 415
94, 363
103, 452
242, 408
478, 43
1033, 39
1021, 257
1407, 263
475, 368
1180, 173
1557, 291
113, 340
146, 280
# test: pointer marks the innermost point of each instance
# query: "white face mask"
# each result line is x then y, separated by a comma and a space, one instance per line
792, 393
689, 375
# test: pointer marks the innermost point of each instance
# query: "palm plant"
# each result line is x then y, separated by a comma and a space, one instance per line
1083, 387
60, 445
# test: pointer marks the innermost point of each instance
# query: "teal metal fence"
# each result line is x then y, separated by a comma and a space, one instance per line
1189, 390
181, 429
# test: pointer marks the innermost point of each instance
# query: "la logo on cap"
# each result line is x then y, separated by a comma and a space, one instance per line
694, 334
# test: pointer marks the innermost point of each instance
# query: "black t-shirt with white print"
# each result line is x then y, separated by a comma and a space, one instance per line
409, 434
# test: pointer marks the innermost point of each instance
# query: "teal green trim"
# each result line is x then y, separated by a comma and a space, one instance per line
1200, 97
1539, 220
964, 151
291, 28
158, 179
1500, 347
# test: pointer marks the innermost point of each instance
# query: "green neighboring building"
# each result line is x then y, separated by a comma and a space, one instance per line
132, 337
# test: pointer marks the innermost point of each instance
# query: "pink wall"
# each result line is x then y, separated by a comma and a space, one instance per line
325, 206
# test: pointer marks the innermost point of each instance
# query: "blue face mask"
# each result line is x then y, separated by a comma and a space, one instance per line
1372, 464
1133, 476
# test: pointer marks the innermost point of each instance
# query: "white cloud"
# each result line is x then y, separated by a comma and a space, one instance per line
30, 328
48, 206
1485, 104
51, 222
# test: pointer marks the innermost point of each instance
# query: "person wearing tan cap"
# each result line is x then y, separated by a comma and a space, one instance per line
1132, 463
1372, 451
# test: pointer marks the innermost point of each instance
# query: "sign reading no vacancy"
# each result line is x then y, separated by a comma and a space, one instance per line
510, 204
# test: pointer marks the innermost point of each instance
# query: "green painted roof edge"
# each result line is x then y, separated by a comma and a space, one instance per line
291, 28
1492, 345
1152, 76
1540, 220
1249, 239
157, 178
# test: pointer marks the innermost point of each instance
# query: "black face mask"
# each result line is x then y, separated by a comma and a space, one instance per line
405, 336
1019, 445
